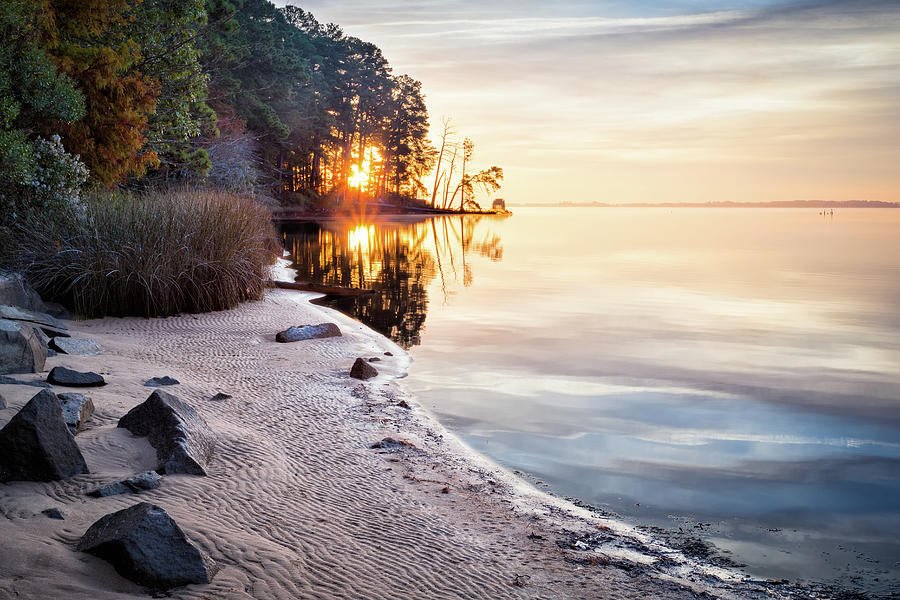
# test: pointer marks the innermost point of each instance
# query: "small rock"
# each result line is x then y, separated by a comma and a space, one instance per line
161, 381
374, 359
20, 348
36, 444
184, 442
388, 353
220, 397
390, 443
362, 370
76, 346
404, 404
71, 378
445, 490
307, 332
147, 480
54, 513
76, 409
146, 546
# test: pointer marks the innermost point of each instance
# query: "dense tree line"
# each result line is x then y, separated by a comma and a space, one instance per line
236, 93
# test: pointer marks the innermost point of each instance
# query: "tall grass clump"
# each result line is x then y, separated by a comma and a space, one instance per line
153, 254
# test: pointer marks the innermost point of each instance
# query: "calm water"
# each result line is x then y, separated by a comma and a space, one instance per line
735, 372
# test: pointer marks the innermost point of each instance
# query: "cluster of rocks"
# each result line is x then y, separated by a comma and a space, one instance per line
29, 333
38, 443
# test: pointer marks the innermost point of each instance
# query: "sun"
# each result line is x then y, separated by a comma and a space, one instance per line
359, 175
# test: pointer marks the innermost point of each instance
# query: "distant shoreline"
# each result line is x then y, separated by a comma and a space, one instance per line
777, 204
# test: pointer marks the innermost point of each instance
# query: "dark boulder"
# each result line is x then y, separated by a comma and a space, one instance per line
76, 409
148, 547
362, 370
307, 332
76, 346
221, 396
161, 381
70, 378
36, 444
147, 480
20, 348
184, 442
15, 291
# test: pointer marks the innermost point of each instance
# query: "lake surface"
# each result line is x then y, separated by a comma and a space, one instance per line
733, 372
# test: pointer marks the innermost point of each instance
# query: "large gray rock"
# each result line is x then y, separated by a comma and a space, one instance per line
147, 480
20, 348
76, 346
36, 444
71, 378
184, 442
76, 409
307, 332
15, 291
362, 370
15, 313
146, 546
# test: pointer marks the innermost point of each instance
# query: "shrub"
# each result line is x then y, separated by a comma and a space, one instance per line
150, 255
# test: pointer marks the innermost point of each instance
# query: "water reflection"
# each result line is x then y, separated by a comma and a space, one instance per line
399, 260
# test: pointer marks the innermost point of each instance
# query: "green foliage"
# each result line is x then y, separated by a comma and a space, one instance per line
35, 173
168, 33
150, 255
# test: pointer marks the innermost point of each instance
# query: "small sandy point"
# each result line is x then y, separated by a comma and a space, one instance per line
297, 504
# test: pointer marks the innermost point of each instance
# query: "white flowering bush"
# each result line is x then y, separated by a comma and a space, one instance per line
48, 179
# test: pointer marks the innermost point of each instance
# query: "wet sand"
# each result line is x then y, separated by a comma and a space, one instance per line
297, 504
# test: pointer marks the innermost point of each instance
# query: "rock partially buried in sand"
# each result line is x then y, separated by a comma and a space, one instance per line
71, 378
20, 348
363, 370
307, 332
11, 381
54, 513
36, 444
148, 480
390, 443
146, 546
184, 442
161, 381
76, 409
221, 396
76, 346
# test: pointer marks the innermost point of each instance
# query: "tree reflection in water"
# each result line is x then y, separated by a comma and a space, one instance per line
397, 259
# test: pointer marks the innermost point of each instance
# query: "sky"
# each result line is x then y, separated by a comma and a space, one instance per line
682, 101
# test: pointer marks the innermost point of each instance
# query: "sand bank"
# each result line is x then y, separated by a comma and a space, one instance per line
297, 504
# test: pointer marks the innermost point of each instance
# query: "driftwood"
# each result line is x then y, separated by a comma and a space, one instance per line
332, 290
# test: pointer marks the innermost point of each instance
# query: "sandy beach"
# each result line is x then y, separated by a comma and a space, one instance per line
297, 503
